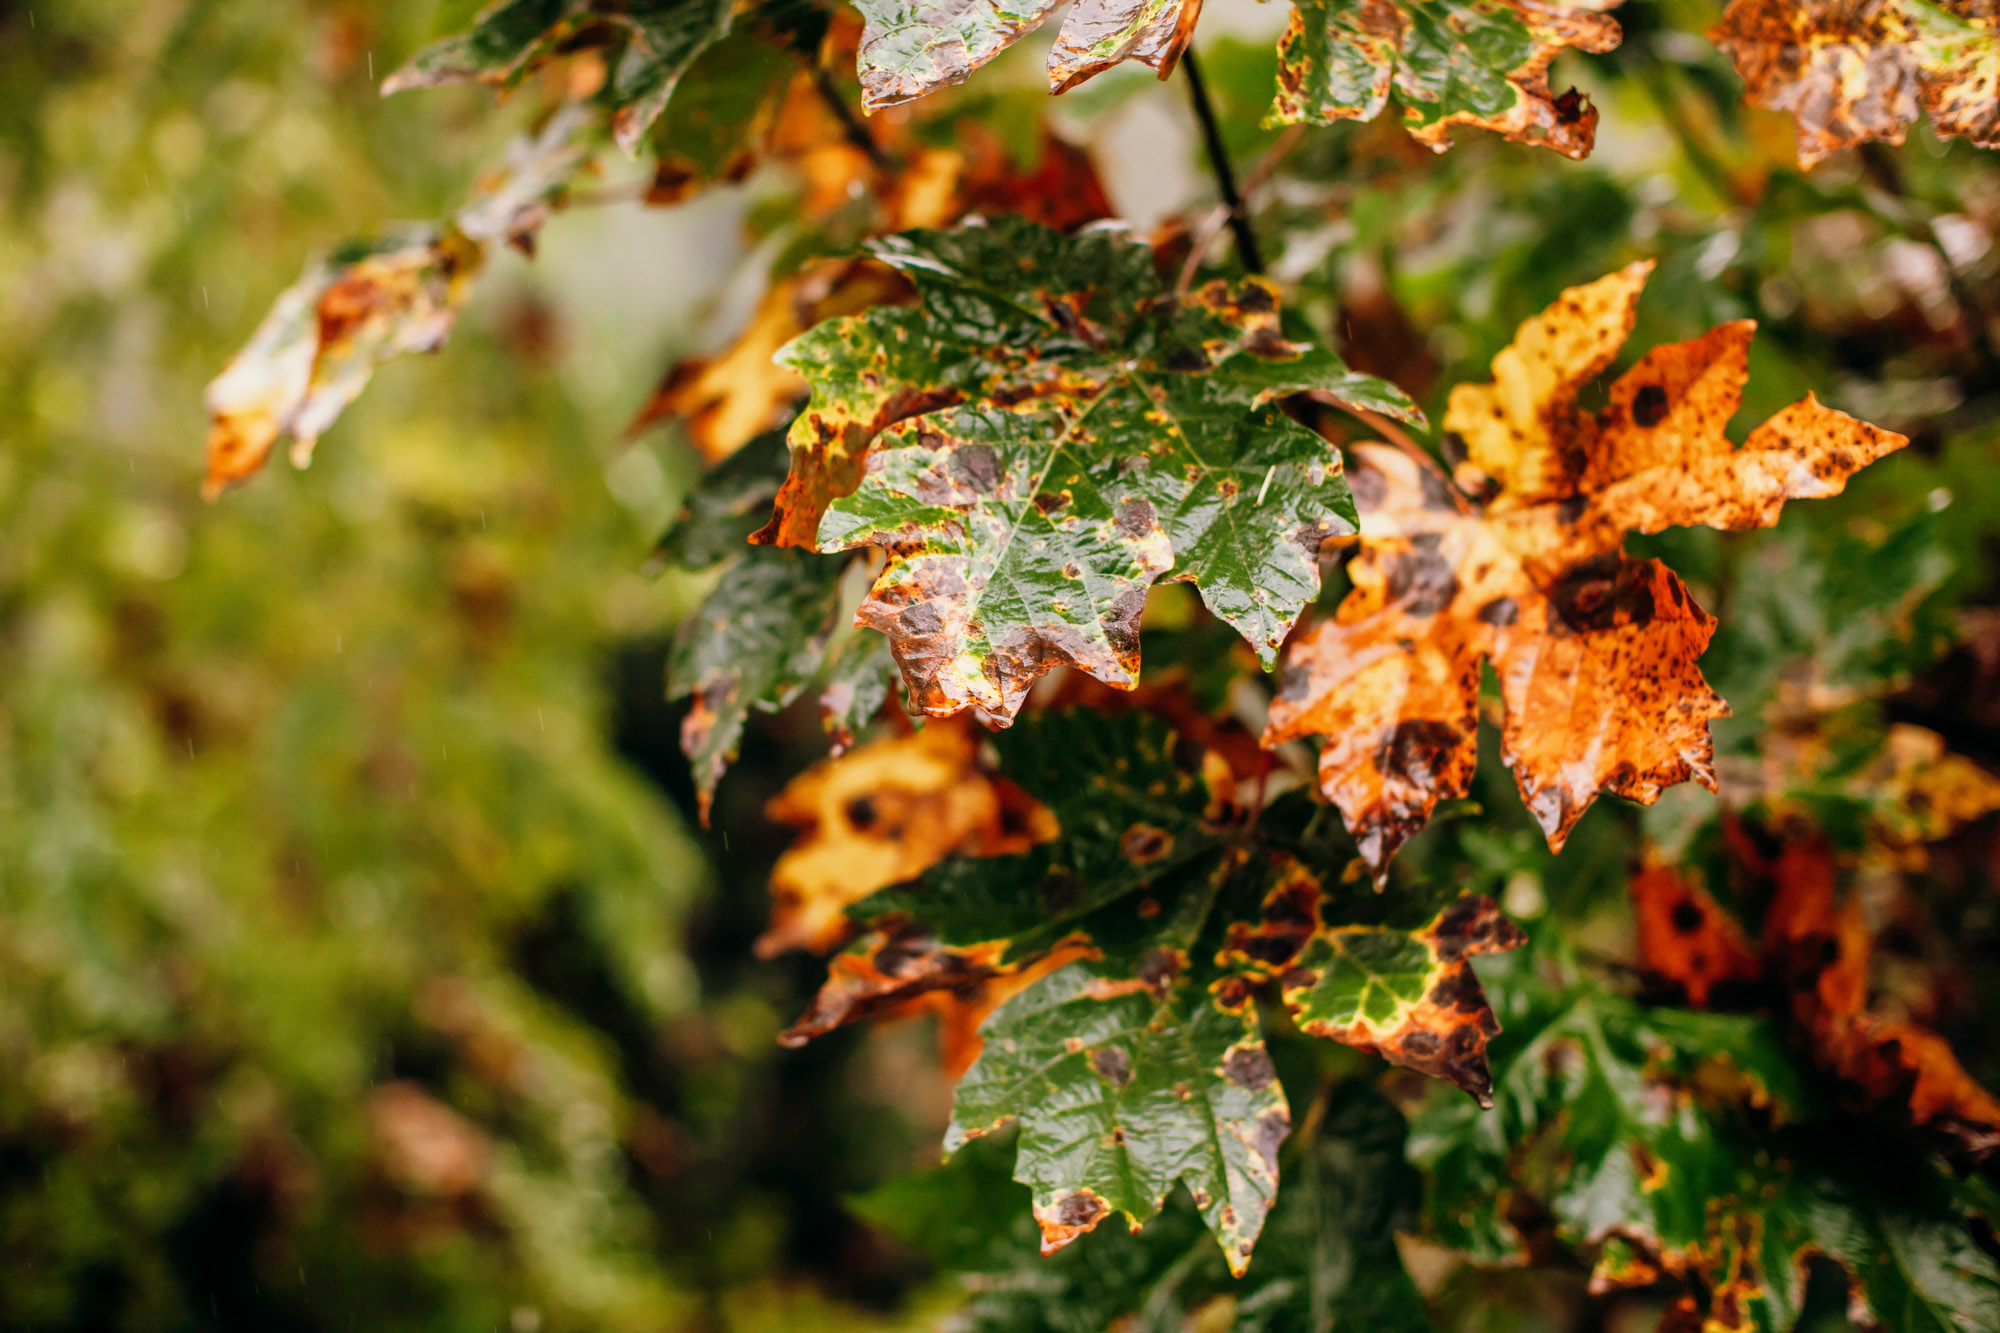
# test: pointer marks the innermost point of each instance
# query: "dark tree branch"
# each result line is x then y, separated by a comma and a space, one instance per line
857, 132
1218, 162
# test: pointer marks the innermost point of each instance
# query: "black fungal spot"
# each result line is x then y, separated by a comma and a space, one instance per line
1080, 1210
1569, 108
1255, 299
1159, 969
977, 466
1458, 989
1368, 487
1249, 1067
1143, 843
1419, 749
1688, 916
1500, 612
921, 620
1598, 593
861, 812
1136, 518
1060, 891
1649, 406
1420, 578
1112, 1065
1421, 1044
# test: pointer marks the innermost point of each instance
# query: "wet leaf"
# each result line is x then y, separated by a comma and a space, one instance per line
1855, 73
910, 50
769, 629
1406, 994
315, 351
1123, 1088
1483, 63
1327, 1259
1045, 436
652, 43
1681, 1148
1595, 651
756, 642
1138, 1062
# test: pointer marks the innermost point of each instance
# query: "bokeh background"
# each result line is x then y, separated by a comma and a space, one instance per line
361, 966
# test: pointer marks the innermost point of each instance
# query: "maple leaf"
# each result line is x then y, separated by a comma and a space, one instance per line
1132, 1056
726, 399
1327, 1258
1643, 1137
656, 41
1483, 63
769, 629
1859, 72
881, 814
1821, 950
1046, 435
315, 351
1407, 994
1686, 940
1595, 651
911, 49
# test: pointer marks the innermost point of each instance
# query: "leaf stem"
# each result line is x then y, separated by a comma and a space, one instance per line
1218, 162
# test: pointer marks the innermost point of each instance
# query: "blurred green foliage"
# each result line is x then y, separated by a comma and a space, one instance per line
359, 965
345, 978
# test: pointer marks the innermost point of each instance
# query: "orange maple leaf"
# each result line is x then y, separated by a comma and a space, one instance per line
884, 813
1595, 651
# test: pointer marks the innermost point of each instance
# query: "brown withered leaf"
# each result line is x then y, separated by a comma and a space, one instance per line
315, 351
1821, 949
1595, 651
1860, 71
882, 814
1686, 940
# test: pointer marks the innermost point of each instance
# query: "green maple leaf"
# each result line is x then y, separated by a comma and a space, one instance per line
656, 41
1449, 62
1645, 1134
770, 629
1047, 434
1327, 1259
1141, 1063
1122, 1089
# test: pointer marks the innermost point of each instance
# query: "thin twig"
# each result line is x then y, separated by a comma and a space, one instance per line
857, 133
1211, 225
1205, 233
1218, 162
